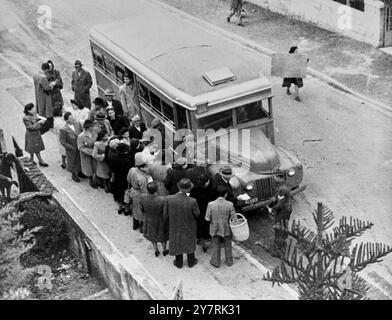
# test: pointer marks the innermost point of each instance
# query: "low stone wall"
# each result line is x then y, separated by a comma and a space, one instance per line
366, 26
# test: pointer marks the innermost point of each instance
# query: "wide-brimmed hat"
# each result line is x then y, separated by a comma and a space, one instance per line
135, 118
185, 185
181, 161
100, 116
78, 63
226, 172
139, 160
108, 92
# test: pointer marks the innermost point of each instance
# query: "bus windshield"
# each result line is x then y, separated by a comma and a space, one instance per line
243, 114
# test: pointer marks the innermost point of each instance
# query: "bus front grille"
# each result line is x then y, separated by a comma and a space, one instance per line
266, 188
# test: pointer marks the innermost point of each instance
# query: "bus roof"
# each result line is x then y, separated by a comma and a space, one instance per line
159, 45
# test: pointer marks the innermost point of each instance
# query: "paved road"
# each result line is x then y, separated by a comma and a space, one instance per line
349, 170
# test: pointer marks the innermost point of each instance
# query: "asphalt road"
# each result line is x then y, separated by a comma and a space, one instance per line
349, 169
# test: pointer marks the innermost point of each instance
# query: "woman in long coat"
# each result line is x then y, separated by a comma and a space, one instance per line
68, 139
99, 156
155, 226
137, 178
54, 75
86, 145
33, 140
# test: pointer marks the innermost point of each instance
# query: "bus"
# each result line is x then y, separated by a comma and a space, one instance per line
192, 78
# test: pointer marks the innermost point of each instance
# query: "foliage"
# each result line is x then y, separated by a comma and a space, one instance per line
321, 263
13, 244
53, 236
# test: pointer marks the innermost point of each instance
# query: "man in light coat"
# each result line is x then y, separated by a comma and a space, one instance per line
81, 84
182, 211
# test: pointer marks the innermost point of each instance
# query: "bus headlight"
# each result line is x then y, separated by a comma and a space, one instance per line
249, 187
291, 172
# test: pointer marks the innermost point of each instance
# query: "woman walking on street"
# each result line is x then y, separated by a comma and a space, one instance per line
99, 156
33, 139
298, 82
155, 227
86, 145
137, 178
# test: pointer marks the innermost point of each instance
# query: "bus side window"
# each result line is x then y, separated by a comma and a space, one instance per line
98, 57
181, 118
109, 65
168, 112
155, 102
143, 93
119, 73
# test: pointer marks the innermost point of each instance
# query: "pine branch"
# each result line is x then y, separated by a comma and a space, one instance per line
354, 228
368, 253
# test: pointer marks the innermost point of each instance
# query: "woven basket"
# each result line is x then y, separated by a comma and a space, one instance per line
240, 229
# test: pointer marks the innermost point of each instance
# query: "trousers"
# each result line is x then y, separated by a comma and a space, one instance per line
217, 242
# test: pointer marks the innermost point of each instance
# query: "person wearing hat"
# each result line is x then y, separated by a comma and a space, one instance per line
155, 227
223, 178
117, 122
177, 172
137, 179
85, 144
137, 128
110, 102
182, 212
81, 83
218, 214
102, 124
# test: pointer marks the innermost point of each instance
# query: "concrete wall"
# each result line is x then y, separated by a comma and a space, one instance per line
367, 26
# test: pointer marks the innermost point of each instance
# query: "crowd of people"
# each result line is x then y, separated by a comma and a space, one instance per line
177, 205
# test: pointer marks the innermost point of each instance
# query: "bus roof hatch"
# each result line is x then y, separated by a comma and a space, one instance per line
219, 76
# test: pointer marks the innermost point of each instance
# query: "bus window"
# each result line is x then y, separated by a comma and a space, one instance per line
109, 64
155, 102
168, 112
119, 74
98, 58
250, 112
181, 118
217, 121
143, 93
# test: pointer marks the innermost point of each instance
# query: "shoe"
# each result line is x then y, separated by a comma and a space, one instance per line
107, 188
228, 19
156, 253
193, 264
81, 175
93, 184
43, 164
75, 178
175, 264
288, 92
165, 253
298, 99
229, 264
127, 213
63, 166
214, 265
121, 211
240, 25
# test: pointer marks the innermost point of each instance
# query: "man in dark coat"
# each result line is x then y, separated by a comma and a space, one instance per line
68, 139
117, 122
175, 174
223, 178
81, 84
110, 102
182, 211
137, 128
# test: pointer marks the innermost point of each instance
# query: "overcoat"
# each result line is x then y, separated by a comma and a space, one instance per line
43, 99
33, 139
102, 125
174, 175
117, 106
81, 85
129, 99
68, 139
155, 227
182, 212
217, 181
86, 146
135, 133
57, 98
138, 181
99, 156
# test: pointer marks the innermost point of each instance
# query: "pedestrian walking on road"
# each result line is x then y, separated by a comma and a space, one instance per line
102, 166
298, 82
58, 124
54, 76
281, 213
81, 83
86, 145
43, 98
203, 194
80, 113
219, 212
137, 179
182, 211
33, 139
68, 139
236, 9
155, 227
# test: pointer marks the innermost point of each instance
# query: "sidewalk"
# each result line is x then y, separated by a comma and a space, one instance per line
357, 65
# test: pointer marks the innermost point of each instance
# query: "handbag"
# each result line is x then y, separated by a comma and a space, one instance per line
127, 195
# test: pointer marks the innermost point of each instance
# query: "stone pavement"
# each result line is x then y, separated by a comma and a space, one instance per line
359, 66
